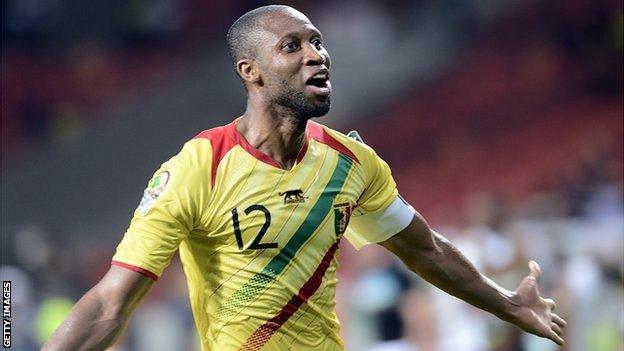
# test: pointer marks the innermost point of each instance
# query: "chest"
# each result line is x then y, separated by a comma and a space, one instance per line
254, 206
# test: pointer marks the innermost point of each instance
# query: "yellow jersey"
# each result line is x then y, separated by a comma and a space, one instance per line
258, 243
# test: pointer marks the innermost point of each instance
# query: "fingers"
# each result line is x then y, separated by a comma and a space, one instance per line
558, 320
556, 338
556, 329
536, 271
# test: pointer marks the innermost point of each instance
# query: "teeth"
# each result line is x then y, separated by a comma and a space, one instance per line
320, 76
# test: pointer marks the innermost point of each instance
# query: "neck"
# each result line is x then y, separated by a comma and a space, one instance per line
274, 130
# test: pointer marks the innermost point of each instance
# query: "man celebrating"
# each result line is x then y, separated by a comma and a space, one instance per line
258, 207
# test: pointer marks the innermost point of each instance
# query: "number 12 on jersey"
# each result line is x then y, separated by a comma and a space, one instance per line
255, 244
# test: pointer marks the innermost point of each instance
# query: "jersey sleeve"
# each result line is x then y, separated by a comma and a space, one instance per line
380, 212
164, 217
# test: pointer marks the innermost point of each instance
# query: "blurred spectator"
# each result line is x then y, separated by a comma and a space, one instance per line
375, 295
417, 317
52, 312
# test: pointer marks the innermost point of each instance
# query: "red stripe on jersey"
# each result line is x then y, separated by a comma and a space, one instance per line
221, 145
143, 271
264, 333
318, 133
224, 138
303, 150
240, 140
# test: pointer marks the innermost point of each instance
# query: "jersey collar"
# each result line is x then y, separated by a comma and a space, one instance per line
259, 155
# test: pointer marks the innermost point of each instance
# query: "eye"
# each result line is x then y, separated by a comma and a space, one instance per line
290, 46
317, 42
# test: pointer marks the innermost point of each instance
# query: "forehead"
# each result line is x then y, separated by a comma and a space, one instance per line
281, 23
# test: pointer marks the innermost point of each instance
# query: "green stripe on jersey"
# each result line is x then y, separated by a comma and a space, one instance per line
317, 214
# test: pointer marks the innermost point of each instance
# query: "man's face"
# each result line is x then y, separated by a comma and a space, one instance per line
294, 64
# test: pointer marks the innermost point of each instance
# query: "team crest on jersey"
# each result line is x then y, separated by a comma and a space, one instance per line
342, 214
293, 196
155, 187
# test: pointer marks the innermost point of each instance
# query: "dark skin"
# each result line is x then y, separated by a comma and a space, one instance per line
101, 315
279, 104
436, 260
292, 52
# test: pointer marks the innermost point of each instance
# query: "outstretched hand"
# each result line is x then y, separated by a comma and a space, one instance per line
535, 313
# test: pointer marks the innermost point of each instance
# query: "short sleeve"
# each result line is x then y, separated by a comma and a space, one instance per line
165, 216
380, 212
381, 189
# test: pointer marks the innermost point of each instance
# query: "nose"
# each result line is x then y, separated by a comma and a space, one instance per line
316, 57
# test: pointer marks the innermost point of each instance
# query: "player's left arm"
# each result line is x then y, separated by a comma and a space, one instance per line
434, 258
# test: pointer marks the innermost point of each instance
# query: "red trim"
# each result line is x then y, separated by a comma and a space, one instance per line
240, 140
304, 149
317, 132
224, 138
264, 333
143, 271
221, 145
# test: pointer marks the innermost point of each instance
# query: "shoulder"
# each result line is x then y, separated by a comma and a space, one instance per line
355, 149
197, 153
216, 135
216, 138
210, 144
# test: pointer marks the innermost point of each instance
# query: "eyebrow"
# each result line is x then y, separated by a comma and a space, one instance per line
314, 31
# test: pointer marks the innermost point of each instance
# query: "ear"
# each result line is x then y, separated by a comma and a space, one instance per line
248, 70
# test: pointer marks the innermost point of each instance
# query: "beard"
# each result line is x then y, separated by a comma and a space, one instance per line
302, 106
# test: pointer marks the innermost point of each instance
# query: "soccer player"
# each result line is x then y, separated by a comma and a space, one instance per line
258, 207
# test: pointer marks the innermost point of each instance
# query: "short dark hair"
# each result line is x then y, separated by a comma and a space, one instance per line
243, 34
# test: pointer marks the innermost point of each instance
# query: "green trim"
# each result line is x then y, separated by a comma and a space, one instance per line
274, 268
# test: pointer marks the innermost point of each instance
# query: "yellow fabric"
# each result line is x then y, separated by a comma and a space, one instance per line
380, 187
152, 238
234, 291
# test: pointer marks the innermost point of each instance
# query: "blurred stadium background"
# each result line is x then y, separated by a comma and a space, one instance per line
501, 120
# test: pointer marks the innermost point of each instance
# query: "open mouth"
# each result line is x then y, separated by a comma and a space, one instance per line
319, 83
318, 80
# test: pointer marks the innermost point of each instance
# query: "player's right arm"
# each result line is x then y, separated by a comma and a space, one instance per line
101, 315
